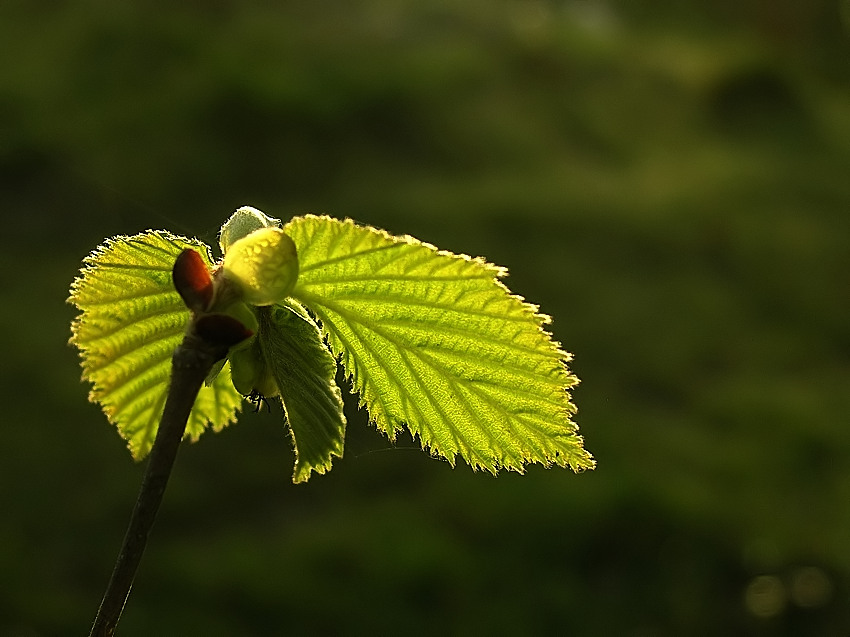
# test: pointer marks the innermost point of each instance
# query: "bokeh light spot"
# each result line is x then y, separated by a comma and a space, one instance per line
765, 596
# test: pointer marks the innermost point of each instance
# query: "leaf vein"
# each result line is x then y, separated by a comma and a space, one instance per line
344, 257
381, 300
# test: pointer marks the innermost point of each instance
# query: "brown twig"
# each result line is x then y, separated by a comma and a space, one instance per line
191, 364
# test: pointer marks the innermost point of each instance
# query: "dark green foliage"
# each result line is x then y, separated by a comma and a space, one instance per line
706, 305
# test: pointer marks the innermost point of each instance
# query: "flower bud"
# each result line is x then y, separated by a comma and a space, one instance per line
264, 265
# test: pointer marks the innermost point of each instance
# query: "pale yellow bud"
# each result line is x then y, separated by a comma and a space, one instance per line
264, 265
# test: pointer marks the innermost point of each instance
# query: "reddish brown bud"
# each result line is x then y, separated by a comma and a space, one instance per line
222, 329
192, 280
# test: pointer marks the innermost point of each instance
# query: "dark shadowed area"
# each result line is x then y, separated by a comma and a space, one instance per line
669, 182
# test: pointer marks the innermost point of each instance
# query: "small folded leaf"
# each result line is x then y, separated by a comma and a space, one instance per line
242, 223
131, 320
434, 341
304, 370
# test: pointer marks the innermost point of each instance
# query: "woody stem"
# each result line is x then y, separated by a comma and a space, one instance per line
192, 361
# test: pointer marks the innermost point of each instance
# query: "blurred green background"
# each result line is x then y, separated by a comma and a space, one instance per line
668, 179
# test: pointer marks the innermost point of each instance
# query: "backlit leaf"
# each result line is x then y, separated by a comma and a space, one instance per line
131, 320
434, 341
304, 370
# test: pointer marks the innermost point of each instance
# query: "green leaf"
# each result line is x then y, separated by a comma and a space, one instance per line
304, 369
131, 320
434, 341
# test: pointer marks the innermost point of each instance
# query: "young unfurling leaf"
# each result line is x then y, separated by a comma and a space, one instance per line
303, 370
